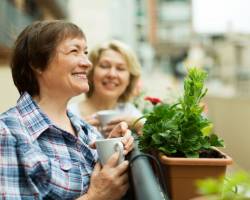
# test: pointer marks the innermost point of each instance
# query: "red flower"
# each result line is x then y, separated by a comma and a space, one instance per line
153, 100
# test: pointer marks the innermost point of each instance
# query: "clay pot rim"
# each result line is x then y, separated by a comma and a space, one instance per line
227, 160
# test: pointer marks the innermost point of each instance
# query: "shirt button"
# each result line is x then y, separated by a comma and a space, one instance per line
65, 164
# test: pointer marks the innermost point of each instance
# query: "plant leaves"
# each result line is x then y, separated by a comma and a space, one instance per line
181, 127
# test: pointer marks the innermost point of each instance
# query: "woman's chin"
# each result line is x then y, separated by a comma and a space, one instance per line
110, 95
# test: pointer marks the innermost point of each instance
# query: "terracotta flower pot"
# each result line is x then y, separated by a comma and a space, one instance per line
181, 173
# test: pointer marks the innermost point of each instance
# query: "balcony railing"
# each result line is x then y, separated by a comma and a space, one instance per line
145, 184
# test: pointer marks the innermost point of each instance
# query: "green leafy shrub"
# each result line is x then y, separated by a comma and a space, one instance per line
234, 187
180, 128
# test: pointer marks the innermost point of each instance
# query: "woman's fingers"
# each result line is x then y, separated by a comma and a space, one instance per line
109, 182
124, 179
116, 121
113, 163
124, 189
122, 168
128, 143
119, 130
127, 134
108, 129
97, 169
113, 160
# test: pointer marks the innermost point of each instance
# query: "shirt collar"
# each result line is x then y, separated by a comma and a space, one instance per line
36, 122
80, 126
86, 133
34, 119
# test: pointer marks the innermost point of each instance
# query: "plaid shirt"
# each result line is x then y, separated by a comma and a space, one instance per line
38, 160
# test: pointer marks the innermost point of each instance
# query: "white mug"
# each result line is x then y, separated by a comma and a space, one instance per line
105, 116
107, 147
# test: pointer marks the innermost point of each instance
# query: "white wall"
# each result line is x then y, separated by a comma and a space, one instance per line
8, 91
230, 116
105, 19
221, 16
93, 17
123, 21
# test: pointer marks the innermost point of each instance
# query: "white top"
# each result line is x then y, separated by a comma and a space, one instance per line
122, 108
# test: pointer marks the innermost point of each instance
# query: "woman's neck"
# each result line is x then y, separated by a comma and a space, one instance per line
56, 109
51, 105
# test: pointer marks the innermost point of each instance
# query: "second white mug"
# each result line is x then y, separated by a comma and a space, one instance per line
105, 116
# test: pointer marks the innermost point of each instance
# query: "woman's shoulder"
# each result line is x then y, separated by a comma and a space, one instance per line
10, 117
129, 108
127, 105
10, 124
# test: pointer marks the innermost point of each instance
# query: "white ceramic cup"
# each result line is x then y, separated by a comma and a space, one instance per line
105, 116
107, 147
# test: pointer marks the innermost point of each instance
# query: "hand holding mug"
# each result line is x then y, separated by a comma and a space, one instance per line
109, 182
107, 147
122, 130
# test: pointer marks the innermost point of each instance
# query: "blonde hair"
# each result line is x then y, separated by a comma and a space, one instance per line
133, 64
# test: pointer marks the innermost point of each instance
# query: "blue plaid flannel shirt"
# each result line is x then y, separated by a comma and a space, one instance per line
38, 160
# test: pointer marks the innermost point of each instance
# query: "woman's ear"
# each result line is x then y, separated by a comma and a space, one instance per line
37, 71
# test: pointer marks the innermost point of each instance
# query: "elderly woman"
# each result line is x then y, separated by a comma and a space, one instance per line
113, 80
45, 151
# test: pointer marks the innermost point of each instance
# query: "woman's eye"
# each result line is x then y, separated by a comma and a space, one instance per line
104, 66
121, 69
74, 50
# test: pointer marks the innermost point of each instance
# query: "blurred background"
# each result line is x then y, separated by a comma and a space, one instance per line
168, 36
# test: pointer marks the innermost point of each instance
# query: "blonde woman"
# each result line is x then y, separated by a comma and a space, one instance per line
113, 79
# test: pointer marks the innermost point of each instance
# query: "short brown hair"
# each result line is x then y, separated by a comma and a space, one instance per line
130, 58
34, 48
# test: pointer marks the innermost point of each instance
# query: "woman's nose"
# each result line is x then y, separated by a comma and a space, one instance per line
112, 72
85, 62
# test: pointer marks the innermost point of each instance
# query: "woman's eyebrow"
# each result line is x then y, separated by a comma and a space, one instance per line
79, 46
76, 45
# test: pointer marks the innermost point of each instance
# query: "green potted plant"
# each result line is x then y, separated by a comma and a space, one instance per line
184, 139
236, 186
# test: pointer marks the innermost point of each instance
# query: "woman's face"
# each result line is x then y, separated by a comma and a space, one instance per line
67, 70
111, 75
